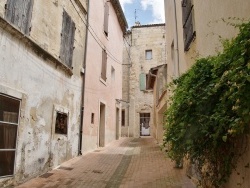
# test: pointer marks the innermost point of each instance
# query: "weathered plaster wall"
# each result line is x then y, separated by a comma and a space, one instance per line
142, 38
96, 90
43, 89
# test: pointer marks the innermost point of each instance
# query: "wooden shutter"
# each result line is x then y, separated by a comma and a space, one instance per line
187, 19
106, 18
67, 39
104, 65
19, 12
142, 81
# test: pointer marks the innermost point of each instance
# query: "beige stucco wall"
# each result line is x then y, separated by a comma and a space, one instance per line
43, 88
141, 38
97, 91
212, 23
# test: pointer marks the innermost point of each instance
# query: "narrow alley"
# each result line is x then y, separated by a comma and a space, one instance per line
125, 163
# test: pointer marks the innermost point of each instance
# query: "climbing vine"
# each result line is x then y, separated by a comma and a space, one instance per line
209, 115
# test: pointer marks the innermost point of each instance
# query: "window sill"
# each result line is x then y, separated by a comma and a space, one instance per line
36, 48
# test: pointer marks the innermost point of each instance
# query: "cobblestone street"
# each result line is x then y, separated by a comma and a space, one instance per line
125, 163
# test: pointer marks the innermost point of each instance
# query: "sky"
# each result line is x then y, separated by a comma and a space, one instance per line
147, 11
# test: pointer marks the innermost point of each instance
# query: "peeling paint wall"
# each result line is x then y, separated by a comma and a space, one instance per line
141, 38
98, 91
43, 87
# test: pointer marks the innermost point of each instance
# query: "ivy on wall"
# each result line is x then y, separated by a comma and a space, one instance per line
209, 115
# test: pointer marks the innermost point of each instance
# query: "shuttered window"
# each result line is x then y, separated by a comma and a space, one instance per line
187, 20
67, 39
19, 12
104, 65
142, 81
106, 18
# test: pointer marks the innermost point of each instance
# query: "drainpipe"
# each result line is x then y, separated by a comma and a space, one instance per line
129, 70
176, 41
83, 82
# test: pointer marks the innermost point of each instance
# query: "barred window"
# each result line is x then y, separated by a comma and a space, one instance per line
61, 126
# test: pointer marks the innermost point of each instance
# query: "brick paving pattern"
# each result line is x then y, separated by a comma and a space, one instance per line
125, 163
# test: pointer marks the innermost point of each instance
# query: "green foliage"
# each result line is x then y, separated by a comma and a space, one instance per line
208, 119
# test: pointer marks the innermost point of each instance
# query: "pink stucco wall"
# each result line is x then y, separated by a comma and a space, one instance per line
97, 91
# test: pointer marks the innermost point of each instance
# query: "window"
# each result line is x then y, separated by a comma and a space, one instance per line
67, 39
19, 12
92, 118
187, 20
106, 18
112, 73
142, 81
9, 113
123, 117
104, 65
61, 123
148, 54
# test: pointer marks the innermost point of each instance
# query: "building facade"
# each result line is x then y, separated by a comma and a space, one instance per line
157, 81
42, 48
195, 30
144, 48
103, 74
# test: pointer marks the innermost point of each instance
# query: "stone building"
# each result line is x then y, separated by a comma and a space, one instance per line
195, 29
144, 48
103, 79
41, 50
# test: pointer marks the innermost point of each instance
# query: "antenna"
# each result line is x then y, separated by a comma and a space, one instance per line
135, 16
137, 23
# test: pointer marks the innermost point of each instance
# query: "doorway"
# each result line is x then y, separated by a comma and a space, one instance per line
102, 125
144, 124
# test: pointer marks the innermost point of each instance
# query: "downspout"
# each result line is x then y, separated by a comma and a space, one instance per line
129, 53
83, 82
176, 41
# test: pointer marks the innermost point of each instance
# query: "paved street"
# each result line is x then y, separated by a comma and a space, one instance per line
125, 163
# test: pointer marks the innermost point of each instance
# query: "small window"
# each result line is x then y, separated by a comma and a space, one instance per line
67, 39
148, 54
112, 73
106, 18
104, 65
61, 123
19, 12
123, 117
92, 118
